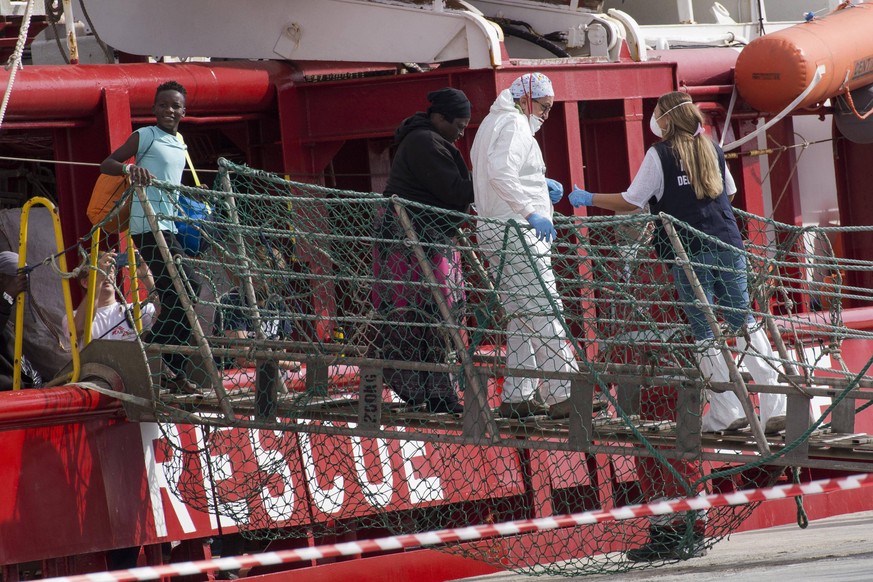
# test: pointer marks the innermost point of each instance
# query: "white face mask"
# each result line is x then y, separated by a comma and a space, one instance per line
653, 125
653, 121
535, 123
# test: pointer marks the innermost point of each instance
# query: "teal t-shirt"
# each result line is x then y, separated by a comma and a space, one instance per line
163, 155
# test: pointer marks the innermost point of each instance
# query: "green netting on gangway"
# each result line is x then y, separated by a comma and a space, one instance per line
345, 356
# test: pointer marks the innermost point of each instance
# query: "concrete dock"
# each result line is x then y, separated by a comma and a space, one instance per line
835, 549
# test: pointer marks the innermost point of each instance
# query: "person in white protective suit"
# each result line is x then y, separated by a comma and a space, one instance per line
685, 176
514, 202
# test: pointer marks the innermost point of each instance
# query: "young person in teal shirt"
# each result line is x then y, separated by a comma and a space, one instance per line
160, 154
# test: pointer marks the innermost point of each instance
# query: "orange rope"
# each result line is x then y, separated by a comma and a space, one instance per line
851, 102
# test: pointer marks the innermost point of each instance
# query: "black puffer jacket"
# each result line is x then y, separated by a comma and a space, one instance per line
429, 169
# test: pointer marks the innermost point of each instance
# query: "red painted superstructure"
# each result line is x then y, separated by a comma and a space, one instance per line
81, 479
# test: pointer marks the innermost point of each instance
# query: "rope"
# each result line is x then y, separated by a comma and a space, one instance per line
802, 518
70, 163
110, 57
54, 17
15, 58
851, 101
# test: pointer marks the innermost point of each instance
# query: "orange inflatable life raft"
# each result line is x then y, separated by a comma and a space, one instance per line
775, 69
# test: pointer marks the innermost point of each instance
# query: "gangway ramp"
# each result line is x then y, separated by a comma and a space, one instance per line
275, 448
326, 261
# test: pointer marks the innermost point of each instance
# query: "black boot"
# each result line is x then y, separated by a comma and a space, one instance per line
448, 403
668, 543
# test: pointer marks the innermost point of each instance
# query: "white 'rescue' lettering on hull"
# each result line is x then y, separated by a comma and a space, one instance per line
420, 489
217, 468
157, 481
374, 472
376, 494
327, 500
278, 507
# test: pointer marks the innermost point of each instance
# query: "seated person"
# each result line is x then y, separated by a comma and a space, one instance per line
234, 318
112, 320
11, 284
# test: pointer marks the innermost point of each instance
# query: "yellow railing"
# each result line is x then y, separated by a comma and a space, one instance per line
65, 285
92, 285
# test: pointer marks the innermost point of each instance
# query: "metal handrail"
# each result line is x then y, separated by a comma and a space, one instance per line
65, 285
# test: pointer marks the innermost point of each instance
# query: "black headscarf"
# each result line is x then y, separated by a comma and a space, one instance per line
451, 103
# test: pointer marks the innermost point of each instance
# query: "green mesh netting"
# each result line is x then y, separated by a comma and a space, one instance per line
329, 341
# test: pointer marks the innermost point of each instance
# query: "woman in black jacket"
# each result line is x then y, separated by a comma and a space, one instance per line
427, 169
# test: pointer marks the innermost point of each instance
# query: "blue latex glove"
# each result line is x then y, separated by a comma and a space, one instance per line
556, 190
580, 197
543, 227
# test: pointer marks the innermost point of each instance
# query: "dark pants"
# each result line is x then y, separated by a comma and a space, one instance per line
172, 325
410, 331
409, 337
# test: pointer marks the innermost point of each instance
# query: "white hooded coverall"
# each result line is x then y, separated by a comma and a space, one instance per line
509, 184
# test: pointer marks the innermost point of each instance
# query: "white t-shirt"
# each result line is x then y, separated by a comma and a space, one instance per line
649, 181
110, 322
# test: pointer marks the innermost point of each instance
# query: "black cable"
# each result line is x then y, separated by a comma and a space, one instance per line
54, 17
760, 19
524, 31
537, 40
110, 56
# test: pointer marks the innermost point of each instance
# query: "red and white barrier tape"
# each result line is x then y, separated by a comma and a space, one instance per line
479, 532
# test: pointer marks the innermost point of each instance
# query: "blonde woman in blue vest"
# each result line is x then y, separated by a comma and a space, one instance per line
685, 175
